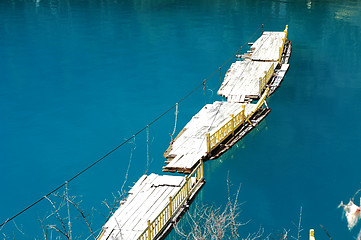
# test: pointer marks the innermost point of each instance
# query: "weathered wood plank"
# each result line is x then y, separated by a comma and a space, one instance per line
142, 185
243, 80
148, 197
187, 150
266, 48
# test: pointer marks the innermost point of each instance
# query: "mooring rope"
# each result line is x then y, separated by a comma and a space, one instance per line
129, 163
204, 92
175, 122
220, 75
147, 151
102, 158
134, 135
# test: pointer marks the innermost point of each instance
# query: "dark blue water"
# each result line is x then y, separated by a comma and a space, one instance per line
80, 77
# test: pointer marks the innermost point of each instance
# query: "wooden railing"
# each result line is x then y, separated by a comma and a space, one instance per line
227, 129
283, 43
155, 227
259, 104
263, 81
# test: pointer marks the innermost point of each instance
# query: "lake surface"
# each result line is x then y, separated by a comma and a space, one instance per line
78, 77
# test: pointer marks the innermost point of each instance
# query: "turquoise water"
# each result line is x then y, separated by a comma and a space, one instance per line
80, 77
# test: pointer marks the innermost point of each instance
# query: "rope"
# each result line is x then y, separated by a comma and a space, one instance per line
204, 92
100, 159
130, 162
134, 135
175, 121
220, 74
147, 151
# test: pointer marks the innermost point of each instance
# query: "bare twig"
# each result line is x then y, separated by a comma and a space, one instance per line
116, 200
58, 230
44, 228
299, 227
324, 229
19, 230
82, 213
284, 235
67, 205
130, 162
353, 198
111, 210
56, 212
210, 222
4, 224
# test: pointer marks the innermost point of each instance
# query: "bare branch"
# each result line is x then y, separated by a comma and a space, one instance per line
284, 235
67, 205
324, 229
299, 227
58, 230
82, 213
19, 230
353, 198
130, 162
58, 217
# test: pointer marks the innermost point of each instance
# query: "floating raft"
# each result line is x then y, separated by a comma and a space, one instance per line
246, 80
268, 47
154, 204
208, 129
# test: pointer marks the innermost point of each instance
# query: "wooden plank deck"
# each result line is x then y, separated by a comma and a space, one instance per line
147, 199
148, 194
191, 145
242, 80
266, 48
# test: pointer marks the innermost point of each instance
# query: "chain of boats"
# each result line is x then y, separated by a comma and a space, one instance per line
157, 202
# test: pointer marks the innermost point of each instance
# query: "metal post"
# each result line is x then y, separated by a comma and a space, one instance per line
280, 54
208, 143
243, 112
187, 186
170, 207
260, 86
149, 232
220, 76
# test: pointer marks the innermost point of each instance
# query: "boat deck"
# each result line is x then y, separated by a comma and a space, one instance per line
153, 203
244, 80
216, 122
267, 47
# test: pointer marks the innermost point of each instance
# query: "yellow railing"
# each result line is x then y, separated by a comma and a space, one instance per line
192, 182
263, 81
227, 129
259, 104
283, 43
